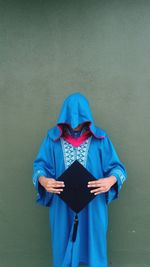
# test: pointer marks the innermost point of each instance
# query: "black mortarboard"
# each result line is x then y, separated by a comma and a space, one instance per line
76, 194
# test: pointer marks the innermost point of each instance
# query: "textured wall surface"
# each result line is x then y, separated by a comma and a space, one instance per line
49, 49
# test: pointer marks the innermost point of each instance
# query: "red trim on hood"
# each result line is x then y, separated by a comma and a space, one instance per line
78, 140
61, 131
99, 137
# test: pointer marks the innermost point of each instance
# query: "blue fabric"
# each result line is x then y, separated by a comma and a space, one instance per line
90, 246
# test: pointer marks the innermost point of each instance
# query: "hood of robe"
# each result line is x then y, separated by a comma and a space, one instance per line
75, 110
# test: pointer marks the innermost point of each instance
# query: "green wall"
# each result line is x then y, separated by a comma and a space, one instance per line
49, 49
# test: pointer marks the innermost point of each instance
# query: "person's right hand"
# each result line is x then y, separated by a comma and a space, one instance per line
51, 185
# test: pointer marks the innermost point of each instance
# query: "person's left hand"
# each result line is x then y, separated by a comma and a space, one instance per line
102, 184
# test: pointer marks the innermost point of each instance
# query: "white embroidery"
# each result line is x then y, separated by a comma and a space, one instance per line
122, 177
34, 180
37, 175
72, 153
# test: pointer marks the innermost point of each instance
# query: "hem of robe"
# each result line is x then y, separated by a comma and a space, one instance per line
70, 259
86, 264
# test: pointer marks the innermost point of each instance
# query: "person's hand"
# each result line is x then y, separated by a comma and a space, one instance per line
51, 185
103, 184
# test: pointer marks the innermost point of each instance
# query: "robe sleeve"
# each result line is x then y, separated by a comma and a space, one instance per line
112, 166
43, 165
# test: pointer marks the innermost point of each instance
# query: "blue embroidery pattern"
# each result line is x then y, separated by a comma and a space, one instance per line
72, 153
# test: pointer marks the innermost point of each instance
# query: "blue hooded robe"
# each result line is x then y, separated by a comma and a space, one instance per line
99, 156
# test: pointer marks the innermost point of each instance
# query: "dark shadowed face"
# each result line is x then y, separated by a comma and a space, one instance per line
79, 127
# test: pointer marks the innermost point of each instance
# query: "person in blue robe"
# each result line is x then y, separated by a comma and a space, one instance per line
97, 153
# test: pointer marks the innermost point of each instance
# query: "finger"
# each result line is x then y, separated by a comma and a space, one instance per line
97, 190
57, 190
55, 181
101, 180
50, 185
101, 191
93, 182
60, 183
94, 185
53, 190
56, 184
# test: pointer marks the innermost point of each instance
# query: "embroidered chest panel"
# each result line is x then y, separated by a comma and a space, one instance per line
72, 153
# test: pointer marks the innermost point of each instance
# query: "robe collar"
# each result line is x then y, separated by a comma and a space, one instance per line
76, 141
